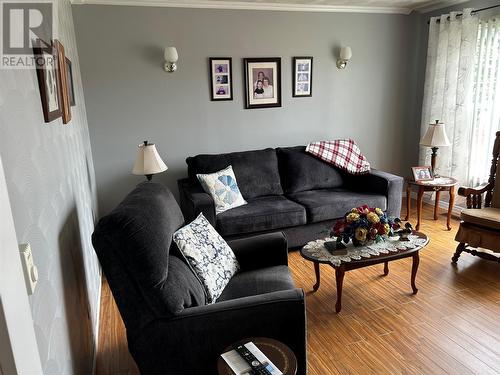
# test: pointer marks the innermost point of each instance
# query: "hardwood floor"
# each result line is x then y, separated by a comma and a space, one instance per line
450, 327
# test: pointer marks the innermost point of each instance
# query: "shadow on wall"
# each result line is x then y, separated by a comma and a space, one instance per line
153, 55
76, 302
114, 190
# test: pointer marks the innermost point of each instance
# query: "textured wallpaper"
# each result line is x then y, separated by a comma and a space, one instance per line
51, 182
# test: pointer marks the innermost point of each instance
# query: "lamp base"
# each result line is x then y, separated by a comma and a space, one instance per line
433, 161
149, 177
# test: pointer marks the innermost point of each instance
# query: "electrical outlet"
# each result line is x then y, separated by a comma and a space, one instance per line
29, 268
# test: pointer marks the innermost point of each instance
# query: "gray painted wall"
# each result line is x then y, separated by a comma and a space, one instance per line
51, 183
130, 98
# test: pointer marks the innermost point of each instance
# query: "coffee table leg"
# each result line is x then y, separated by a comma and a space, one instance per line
339, 276
316, 271
414, 269
386, 268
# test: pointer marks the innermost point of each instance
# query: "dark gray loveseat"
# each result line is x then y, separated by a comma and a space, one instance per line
286, 189
170, 328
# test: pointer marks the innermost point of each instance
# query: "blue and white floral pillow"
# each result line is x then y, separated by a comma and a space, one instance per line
209, 255
223, 188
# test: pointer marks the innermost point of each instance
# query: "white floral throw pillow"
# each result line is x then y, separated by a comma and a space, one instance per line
223, 188
209, 255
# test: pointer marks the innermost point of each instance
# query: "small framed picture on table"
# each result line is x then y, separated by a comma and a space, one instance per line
423, 173
302, 76
221, 78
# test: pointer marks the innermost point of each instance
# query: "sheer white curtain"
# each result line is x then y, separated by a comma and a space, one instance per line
449, 88
486, 115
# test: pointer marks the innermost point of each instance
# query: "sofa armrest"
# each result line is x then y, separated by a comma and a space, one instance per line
264, 250
194, 200
191, 342
383, 183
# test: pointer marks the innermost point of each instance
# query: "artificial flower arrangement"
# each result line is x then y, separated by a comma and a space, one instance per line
364, 224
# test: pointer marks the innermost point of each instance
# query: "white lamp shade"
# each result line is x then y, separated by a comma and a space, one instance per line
171, 54
148, 161
435, 136
345, 53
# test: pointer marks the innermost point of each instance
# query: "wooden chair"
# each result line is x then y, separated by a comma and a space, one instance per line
480, 226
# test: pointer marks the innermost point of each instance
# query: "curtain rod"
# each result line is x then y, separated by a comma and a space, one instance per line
474, 11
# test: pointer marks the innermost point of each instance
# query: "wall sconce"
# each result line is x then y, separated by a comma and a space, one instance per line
345, 56
171, 58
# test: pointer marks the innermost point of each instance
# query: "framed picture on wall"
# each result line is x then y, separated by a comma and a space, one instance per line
63, 82
221, 78
262, 82
46, 62
302, 76
69, 81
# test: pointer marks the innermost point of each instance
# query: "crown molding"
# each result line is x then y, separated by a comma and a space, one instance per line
217, 4
435, 5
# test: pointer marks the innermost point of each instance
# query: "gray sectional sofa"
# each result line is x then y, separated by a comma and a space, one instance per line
287, 190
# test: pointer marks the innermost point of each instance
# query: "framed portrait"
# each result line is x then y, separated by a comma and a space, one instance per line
63, 81
262, 82
302, 76
221, 78
46, 62
423, 173
69, 81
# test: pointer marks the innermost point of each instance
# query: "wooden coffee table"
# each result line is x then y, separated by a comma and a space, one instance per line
277, 352
320, 256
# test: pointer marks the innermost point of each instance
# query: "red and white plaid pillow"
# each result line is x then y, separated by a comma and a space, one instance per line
343, 153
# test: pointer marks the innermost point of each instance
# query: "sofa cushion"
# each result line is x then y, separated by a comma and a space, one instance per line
255, 282
209, 255
184, 288
261, 214
301, 171
256, 171
330, 204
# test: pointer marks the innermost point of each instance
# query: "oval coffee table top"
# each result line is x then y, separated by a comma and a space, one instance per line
391, 248
277, 352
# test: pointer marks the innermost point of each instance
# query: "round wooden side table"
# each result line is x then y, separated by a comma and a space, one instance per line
437, 185
277, 352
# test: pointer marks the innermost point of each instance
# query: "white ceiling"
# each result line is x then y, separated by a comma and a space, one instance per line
354, 6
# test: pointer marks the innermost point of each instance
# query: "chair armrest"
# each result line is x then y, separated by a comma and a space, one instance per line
264, 250
192, 341
194, 200
474, 195
383, 183
464, 191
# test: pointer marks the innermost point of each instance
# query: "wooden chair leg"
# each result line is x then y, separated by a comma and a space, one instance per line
460, 249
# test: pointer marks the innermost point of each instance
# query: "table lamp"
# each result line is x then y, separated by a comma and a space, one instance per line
148, 161
435, 137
